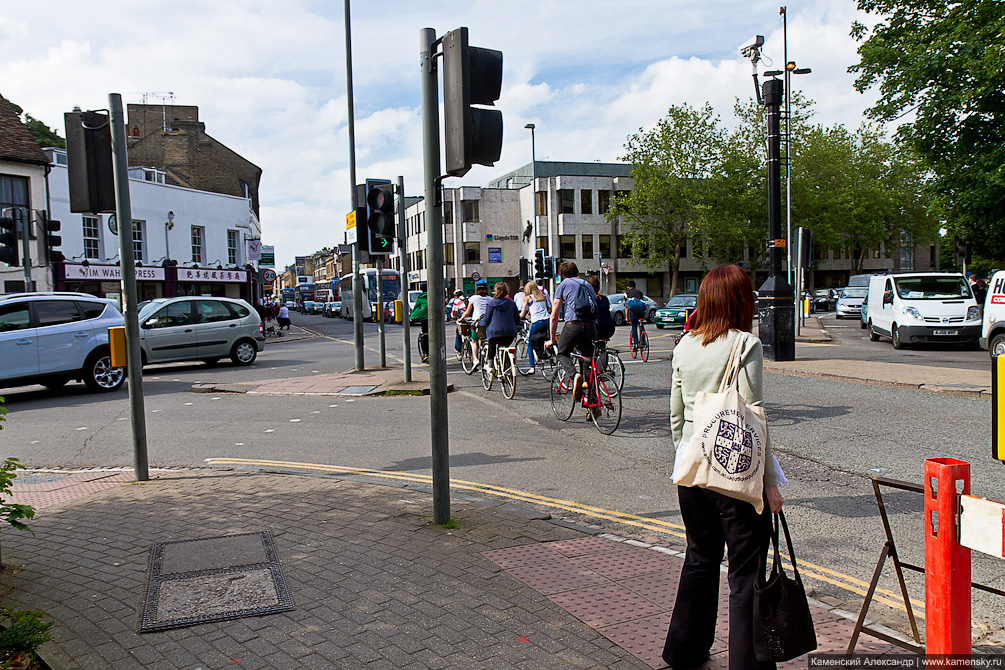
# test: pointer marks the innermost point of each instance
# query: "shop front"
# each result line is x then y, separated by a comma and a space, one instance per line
104, 281
217, 283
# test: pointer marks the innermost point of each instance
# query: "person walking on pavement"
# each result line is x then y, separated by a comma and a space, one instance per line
714, 521
580, 329
501, 321
284, 317
537, 305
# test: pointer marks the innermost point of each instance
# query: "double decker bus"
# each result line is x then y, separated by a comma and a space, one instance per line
288, 297
372, 302
305, 293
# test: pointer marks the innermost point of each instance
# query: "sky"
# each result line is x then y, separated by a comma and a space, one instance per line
269, 79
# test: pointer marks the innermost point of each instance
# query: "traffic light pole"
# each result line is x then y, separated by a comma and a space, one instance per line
357, 284
403, 278
439, 428
23, 219
127, 271
380, 311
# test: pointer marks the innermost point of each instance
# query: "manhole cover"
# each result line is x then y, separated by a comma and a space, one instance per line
213, 579
356, 390
40, 479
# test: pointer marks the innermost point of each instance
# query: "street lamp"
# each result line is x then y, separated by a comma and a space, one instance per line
168, 225
533, 184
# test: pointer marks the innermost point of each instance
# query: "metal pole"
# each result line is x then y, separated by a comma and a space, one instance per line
533, 189
438, 425
788, 149
380, 310
357, 284
127, 270
403, 257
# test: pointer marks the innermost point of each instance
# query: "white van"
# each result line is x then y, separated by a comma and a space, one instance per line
923, 307
993, 324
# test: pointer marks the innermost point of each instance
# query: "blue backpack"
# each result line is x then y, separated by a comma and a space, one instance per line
585, 305
636, 304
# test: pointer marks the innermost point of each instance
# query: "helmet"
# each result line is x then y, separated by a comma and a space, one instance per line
458, 293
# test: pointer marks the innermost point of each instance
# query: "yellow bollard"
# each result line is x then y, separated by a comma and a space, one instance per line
399, 309
117, 345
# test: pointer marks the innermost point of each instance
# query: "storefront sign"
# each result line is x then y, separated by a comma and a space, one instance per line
495, 255
501, 238
110, 273
268, 256
226, 276
413, 276
254, 250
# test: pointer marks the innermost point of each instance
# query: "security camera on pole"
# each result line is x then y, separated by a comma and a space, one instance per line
775, 307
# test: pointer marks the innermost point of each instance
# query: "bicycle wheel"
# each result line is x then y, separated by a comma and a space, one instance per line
522, 361
467, 358
606, 415
633, 347
487, 376
615, 371
507, 373
562, 399
644, 345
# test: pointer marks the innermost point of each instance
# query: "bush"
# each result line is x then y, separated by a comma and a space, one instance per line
19, 642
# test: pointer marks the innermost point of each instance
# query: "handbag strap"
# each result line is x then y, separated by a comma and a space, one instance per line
788, 543
731, 374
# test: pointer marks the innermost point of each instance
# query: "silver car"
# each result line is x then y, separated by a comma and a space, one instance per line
850, 301
200, 329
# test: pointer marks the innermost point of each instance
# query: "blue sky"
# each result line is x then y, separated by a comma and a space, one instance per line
269, 78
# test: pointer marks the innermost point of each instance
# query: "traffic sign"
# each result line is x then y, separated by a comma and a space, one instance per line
475, 275
350, 228
268, 276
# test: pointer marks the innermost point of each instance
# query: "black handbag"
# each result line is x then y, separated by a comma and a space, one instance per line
783, 628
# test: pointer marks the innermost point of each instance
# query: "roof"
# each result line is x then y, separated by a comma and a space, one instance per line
16, 141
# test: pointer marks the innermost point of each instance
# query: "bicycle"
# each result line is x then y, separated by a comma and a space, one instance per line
602, 402
611, 364
503, 367
467, 356
642, 346
521, 343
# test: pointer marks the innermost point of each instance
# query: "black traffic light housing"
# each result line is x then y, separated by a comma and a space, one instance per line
379, 216
8, 240
89, 162
471, 76
962, 250
52, 241
539, 274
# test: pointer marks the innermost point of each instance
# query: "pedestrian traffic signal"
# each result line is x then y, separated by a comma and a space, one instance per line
471, 76
8, 239
379, 216
539, 274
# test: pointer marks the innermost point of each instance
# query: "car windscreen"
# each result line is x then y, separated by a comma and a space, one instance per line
855, 292
932, 288
682, 301
148, 309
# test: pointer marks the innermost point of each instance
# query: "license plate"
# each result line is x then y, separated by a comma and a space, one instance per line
945, 332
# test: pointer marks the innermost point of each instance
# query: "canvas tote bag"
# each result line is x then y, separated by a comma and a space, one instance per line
726, 452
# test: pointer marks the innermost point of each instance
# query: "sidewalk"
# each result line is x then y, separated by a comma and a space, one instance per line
353, 574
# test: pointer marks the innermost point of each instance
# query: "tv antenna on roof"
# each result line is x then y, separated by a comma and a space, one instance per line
165, 98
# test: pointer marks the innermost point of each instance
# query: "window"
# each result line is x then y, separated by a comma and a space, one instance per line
603, 202
586, 201
541, 203
542, 243
92, 237
448, 214
448, 253
605, 246
175, 314
567, 246
567, 201
14, 317
472, 252
139, 244
624, 250
13, 191
91, 310
56, 312
587, 246
470, 210
245, 189
198, 240
210, 311
232, 247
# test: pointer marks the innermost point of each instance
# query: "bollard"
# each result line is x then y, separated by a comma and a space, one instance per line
117, 346
947, 563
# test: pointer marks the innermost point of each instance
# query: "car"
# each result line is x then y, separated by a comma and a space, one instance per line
317, 307
850, 301
332, 308
50, 338
307, 307
923, 307
675, 312
619, 311
863, 318
193, 328
824, 299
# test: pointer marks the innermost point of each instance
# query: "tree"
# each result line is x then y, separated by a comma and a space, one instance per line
673, 166
944, 60
45, 136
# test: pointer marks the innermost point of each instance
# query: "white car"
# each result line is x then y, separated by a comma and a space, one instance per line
923, 307
850, 301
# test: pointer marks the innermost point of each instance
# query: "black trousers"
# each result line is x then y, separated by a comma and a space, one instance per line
575, 334
713, 520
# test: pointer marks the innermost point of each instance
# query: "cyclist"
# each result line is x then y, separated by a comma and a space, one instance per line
476, 309
501, 322
536, 304
635, 302
420, 314
605, 322
575, 299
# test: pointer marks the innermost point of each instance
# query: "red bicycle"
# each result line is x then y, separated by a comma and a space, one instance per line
600, 397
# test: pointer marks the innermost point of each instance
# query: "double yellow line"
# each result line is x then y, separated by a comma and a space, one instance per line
806, 569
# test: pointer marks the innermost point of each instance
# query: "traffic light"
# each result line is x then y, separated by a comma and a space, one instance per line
471, 76
89, 162
379, 216
49, 227
524, 271
550, 266
962, 250
8, 239
539, 274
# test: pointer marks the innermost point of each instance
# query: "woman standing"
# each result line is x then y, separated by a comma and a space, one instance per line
539, 307
713, 520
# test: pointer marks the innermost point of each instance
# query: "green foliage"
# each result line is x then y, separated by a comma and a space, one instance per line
944, 61
43, 134
3, 412
20, 640
12, 513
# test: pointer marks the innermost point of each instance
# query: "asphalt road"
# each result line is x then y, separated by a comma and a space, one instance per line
831, 438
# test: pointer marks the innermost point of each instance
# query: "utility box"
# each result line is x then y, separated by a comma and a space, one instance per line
117, 345
399, 310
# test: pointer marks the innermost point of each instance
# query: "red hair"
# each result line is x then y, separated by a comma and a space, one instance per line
725, 301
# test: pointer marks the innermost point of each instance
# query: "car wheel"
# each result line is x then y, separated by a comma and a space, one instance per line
895, 336
861, 324
98, 373
619, 319
243, 352
651, 316
873, 335
997, 347
659, 326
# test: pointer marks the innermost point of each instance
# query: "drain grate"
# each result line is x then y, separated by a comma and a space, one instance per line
213, 579
356, 390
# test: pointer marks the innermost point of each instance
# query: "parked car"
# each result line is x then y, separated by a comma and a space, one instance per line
307, 307
863, 317
51, 338
824, 299
620, 313
850, 301
676, 311
332, 308
200, 329
923, 307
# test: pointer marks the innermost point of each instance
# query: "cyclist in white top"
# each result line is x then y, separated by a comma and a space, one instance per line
539, 308
476, 309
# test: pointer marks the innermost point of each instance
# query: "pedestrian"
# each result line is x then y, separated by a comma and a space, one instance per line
576, 300
712, 520
420, 313
980, 292
501, 322
284, 317
538, 307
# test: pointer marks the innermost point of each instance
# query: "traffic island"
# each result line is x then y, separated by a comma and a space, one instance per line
370, 382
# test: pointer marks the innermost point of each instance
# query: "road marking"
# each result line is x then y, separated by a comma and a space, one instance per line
842, 581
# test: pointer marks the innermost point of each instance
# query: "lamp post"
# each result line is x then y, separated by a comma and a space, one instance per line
533, 188
168, 225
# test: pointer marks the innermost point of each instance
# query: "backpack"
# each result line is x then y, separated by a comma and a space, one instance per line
585, 305
636, 304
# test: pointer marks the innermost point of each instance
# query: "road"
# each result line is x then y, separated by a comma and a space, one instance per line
831, 438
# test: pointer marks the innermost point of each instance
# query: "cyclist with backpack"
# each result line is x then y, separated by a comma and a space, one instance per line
636, 304
576, 300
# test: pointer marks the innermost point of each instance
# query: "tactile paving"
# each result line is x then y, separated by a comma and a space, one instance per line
605, 605
528, 554
624, 564
557, 576
644, 638
586, 545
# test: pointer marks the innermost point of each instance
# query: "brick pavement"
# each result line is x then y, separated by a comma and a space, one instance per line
375, 583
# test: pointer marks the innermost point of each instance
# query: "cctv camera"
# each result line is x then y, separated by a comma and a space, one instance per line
752, 46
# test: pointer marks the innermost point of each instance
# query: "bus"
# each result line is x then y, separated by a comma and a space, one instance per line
325, 291
305, 293
368, 276
288, 297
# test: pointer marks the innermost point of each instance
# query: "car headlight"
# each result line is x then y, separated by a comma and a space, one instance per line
913, 313
973, 313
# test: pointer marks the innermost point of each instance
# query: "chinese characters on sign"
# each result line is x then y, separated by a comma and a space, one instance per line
188, 274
